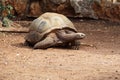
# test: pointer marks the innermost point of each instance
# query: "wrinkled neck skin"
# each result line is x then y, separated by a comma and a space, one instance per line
65, 37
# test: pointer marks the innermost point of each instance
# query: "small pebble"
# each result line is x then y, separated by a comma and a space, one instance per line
18, 54
5, 63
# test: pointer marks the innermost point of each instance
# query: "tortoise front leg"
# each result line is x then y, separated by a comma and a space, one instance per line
75, 45
71, 35
49, 41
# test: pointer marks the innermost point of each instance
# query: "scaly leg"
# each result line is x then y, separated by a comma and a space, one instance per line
74, 44
50, 40
32, 38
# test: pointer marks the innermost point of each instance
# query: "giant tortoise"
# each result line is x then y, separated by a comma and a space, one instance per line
53, 30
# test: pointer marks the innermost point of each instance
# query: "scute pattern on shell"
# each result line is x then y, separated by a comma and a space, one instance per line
48, 22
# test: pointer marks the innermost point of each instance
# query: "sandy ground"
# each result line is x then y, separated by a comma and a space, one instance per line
99, 62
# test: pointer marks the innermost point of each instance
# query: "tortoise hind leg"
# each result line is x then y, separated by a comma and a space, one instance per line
27, 43
32, 38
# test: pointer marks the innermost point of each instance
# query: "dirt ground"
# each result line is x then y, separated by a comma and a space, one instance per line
98, 62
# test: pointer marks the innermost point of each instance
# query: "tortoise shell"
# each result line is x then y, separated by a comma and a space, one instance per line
48, 22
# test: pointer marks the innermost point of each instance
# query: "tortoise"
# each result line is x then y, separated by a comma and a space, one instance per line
53, 30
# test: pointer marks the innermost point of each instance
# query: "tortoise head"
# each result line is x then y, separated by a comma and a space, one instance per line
80, 35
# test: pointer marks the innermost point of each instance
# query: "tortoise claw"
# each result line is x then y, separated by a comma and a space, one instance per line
75, 45
26, 43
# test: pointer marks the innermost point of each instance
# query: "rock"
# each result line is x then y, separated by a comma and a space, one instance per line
58, 1
34, 9
62, 7
96, 9
83, 8
0, 24
20, 7
107, 10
